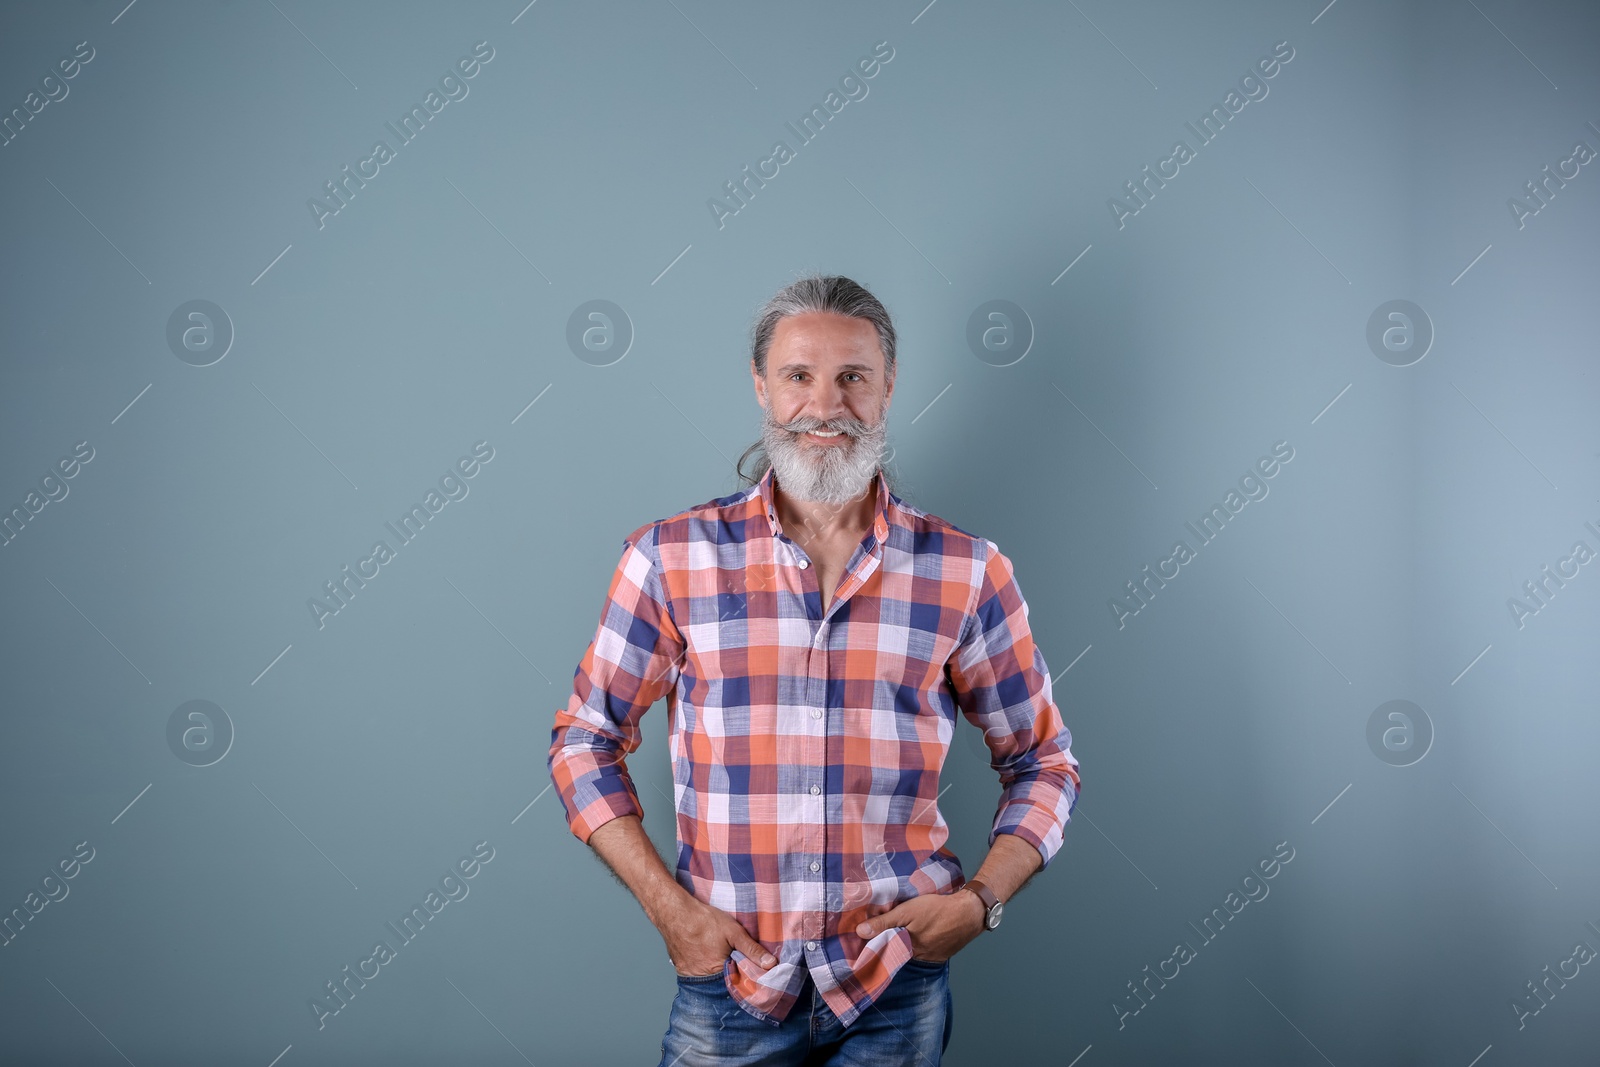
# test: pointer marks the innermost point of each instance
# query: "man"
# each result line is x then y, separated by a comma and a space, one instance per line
814, 636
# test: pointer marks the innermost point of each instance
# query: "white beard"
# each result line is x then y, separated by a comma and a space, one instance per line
827, 474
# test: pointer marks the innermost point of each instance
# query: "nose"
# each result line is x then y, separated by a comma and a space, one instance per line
827, 402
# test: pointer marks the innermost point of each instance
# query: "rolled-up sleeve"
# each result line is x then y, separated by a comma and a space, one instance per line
1002, 686
630, 663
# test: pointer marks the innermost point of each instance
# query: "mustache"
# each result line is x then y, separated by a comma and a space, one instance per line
853, 427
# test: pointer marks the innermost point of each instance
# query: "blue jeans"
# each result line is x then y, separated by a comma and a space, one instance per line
908, 1024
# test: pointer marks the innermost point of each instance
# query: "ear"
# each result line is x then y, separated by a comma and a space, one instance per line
759, 383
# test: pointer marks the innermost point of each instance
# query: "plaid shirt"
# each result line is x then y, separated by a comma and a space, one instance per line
806, 745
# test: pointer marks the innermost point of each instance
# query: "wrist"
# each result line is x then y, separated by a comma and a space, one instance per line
989, 905
977, 910
980, 913
669, 904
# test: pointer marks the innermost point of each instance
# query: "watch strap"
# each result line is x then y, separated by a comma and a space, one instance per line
983, 893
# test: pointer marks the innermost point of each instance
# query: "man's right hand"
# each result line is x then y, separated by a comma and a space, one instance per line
700, 938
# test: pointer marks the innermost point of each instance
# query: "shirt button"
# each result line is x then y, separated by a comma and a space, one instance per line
814, 791
815, 866
812, 945
816, 713
804, 564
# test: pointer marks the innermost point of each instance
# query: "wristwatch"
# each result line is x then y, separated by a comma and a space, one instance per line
991, 904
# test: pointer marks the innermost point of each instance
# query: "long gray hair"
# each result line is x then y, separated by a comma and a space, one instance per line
816, 292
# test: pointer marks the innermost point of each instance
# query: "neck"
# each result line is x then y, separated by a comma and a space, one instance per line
809, 519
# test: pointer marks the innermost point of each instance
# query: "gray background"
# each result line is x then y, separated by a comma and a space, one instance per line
369, 755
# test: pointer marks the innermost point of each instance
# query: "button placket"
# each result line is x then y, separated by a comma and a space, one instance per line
817, 751
866, 561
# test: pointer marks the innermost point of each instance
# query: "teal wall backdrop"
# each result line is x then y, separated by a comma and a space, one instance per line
239, 339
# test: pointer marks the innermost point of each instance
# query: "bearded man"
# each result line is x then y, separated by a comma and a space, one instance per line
814, 636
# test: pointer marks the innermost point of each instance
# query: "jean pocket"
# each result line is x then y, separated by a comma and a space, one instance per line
698, 979
928, 964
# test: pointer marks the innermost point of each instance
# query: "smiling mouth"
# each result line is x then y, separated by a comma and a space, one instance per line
824, 436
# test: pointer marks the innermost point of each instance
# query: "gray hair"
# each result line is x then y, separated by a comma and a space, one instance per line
816, 292
841, 296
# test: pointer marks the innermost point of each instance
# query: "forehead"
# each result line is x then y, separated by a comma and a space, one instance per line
823, 338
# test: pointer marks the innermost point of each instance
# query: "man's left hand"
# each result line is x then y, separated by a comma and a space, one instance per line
940, 924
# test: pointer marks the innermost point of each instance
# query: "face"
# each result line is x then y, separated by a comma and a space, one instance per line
825, 405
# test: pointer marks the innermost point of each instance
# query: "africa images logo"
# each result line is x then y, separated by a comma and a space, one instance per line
452, 485
1212, 123
1252, 486
811, 126
412, 123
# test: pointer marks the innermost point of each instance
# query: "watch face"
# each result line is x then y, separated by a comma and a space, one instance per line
993, 918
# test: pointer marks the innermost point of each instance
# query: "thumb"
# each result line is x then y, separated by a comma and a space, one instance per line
752, 948
870, 928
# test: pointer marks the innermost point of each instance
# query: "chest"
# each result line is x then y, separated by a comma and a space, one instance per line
758, 639
829, 557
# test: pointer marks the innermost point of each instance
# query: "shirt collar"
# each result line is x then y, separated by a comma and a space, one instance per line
880, 521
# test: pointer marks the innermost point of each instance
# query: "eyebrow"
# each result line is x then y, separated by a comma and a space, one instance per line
790, 368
